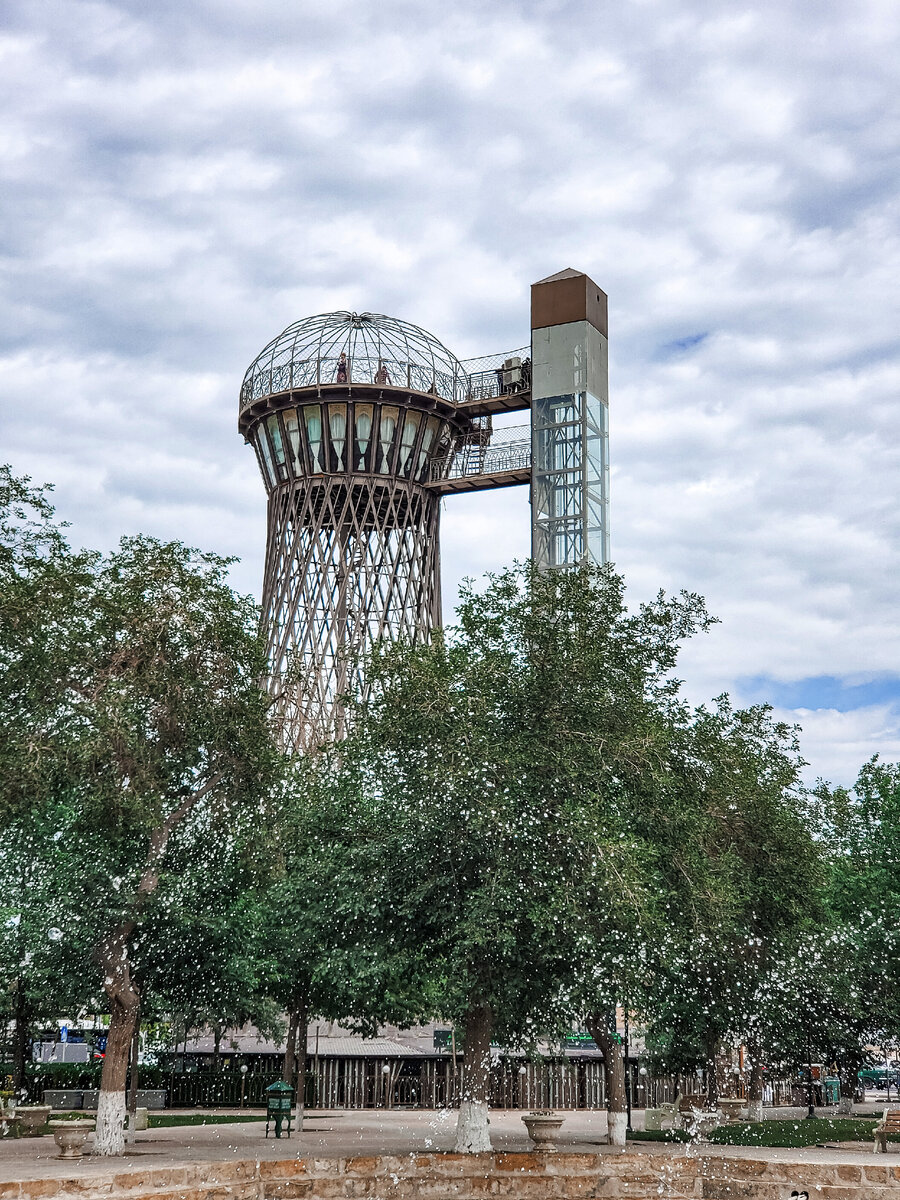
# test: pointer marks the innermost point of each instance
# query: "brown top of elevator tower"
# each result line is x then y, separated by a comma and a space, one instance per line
568, 296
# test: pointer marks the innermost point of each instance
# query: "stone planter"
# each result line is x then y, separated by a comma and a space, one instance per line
33, 1118
543, 1129
70, 1136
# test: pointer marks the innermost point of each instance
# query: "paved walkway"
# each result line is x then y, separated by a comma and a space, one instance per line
346, 1133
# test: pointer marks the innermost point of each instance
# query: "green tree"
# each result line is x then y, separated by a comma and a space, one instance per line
41, 579
45, 943
743, 877
294, 925
136, 707
473, 826
852, 976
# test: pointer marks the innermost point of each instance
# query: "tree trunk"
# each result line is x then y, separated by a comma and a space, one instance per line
289, 1065
614, 1075
218, 1030
124, 1001
755, 1086
472, 1134
121, 989
294, 1071
848, 1071
20, 1037
711, 1046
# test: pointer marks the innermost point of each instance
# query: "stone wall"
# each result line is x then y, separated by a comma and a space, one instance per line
632, 1175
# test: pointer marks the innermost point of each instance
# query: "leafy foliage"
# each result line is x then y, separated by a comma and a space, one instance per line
475, 829
137, 742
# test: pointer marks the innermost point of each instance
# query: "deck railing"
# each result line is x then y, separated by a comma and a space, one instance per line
362, 369
486, 374
478, 378
502, 450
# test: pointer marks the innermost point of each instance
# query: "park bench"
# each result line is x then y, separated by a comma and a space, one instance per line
889, 1128
664, 1116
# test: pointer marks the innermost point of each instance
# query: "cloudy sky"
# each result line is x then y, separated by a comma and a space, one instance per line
183, 178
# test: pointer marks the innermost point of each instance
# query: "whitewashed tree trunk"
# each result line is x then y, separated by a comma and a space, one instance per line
755, 1110
848, 1071
109, 1136
301, 1066
294, 1071
122, 990
614, 1074
124, 1007
617, 1127
472, 1133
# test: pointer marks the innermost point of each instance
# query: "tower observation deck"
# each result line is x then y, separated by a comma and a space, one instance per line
361, 424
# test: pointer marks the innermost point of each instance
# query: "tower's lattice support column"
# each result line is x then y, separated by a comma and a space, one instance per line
345, 565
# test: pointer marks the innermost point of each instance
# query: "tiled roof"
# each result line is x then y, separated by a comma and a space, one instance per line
345, 1047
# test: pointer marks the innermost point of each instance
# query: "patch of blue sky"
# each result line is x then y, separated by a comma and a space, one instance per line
821, 691
683, 344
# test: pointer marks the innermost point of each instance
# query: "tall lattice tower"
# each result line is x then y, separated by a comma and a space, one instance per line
361, 423
347, 413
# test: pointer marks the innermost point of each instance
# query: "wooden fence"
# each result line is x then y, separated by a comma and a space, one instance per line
423, 1082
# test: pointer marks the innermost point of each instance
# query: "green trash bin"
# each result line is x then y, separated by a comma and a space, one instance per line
832, 1091
279, 1106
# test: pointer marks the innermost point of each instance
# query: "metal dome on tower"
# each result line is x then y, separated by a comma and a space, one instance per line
309, 352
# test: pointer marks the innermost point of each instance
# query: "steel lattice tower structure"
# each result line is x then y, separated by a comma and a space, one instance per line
361, 423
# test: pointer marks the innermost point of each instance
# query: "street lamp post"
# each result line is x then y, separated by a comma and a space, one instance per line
243, 1081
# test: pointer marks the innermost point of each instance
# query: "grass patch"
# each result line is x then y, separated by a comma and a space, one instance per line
794, 1132
791, 1133
170, 1120
657, 1135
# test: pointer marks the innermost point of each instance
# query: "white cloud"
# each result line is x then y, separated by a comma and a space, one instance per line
179, 182
836, 744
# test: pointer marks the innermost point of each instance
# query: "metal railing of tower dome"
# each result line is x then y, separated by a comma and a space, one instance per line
388, 372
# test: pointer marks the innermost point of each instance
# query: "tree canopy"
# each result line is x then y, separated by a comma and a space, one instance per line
524, 827
138, 727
